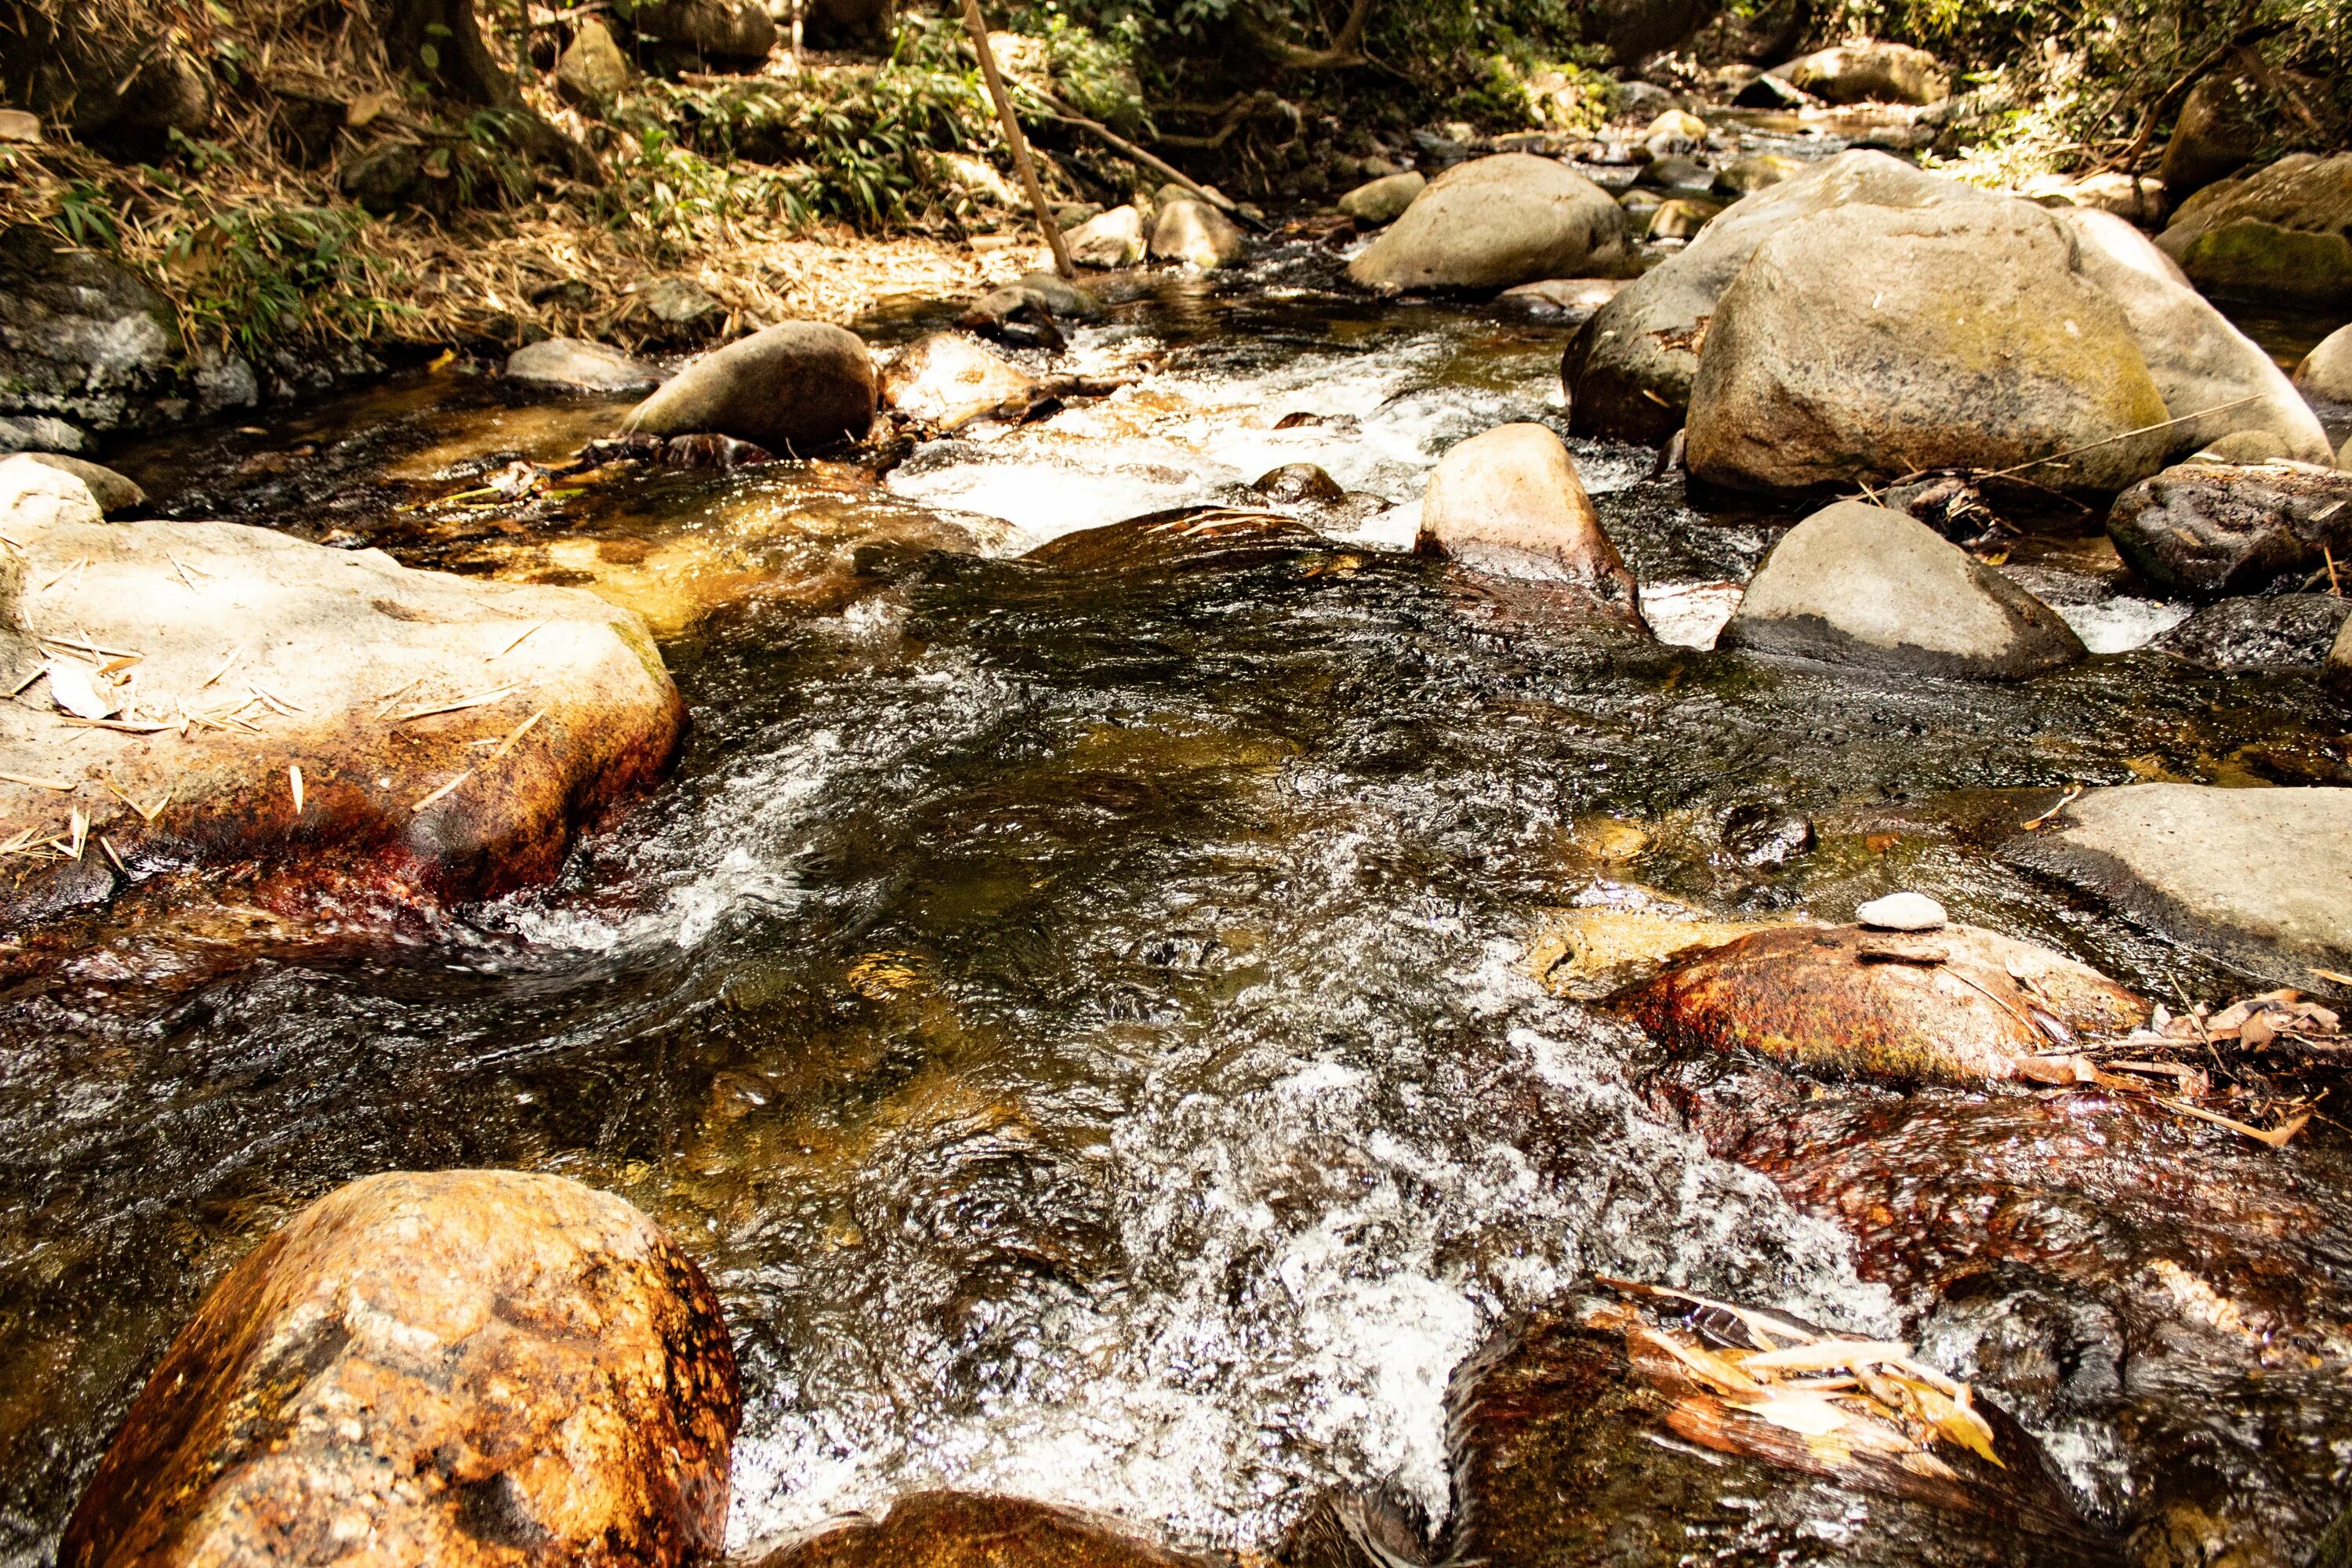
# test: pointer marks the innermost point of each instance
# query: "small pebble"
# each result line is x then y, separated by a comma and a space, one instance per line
1902, 912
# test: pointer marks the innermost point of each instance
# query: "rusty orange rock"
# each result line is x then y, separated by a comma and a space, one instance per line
465, 1367
974, 1530
1957, 1005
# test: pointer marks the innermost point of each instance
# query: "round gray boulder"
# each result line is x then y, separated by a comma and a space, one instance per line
1195, 234
576, 364
2327, 371
2280, 232
1509, 501
794, 388
1860, 584
1871, 72
1871, 343
1495, 222
2211, 529
1382, 201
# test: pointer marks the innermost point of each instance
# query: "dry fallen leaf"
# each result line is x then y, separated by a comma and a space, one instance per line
74, 686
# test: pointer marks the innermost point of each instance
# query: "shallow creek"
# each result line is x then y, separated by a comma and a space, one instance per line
1078, 1019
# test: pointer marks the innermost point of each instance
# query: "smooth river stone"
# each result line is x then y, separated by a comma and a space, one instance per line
1902, 912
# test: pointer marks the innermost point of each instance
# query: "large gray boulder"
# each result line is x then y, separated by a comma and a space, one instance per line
2211, 529
2218, 131
1871, 72
1384, 200
1195, 234
1495, 222
83, 341
2326, 372
1861, 584
1629, 371
2289, 631
793, 388
113, 492
578, 365
1509, 501
2198, 358
1874, 342
2261, 879
1114, 239
2280, 232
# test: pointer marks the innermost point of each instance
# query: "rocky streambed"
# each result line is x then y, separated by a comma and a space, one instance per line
1223, 1033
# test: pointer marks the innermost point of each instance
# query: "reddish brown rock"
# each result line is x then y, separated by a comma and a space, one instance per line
1956, 1005
466, 1367
974, 1530
1580, 1441
1178, 535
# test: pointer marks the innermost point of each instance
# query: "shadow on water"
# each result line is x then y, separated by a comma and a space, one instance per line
1075, 1017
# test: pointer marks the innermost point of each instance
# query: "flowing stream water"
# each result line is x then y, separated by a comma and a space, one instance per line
1077, 1018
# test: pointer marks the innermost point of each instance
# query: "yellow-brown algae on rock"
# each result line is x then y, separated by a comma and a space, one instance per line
974, 1530
1961, 1005
464, 1367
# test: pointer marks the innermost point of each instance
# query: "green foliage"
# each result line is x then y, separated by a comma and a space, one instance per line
862, 147
264, 275
86, 216
2096, 66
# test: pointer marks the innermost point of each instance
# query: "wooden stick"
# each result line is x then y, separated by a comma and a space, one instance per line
977, 26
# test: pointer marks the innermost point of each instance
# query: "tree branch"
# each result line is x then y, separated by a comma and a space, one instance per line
1347, 45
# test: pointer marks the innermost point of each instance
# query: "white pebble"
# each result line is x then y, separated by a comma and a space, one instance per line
1902, 912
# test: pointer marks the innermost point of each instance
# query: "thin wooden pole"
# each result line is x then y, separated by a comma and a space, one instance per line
977, 26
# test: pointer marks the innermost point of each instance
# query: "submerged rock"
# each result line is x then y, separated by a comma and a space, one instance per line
1861, 584
1176, 537
1384, 200
2292, 631
1195, 234
2326, 372
2211, 529
2262, 879
1114, 239
974, 1530
1873, 72
1578, 297
2284, 232
1295, 484
1495, 222
1510, 501
1875, 342
577, 364
2149, 1294
1681, 218
794, 388
1038, 292
258, 655
949, 381
459, 1368
1958, 1004
1602, 1435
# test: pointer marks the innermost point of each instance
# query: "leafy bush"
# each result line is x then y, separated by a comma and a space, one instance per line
261, 275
